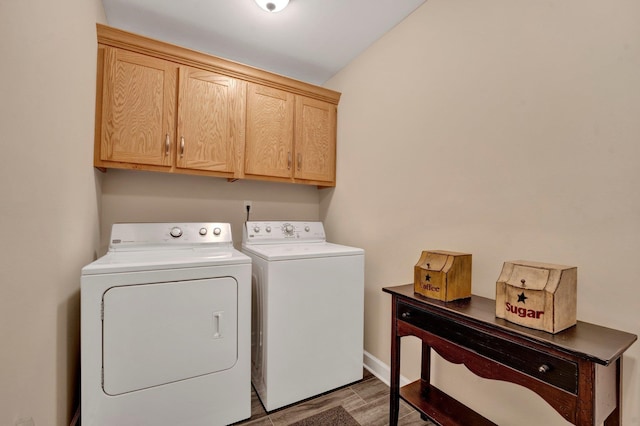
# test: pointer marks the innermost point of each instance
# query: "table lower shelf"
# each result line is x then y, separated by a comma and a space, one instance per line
440, 407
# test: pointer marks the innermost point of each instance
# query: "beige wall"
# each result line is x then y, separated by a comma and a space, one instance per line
509, 129
134, 196
49, 201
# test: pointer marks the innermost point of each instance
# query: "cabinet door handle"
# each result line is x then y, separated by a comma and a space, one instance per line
289, 160
544, 368
299, 161
181, 146
167, 144
406, 314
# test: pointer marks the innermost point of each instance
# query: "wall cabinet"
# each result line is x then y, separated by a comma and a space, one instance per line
315, 139
150, 120
138, 108
211, 121
164, 108
289, 136
269, 145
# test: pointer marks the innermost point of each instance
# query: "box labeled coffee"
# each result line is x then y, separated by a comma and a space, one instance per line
443, 275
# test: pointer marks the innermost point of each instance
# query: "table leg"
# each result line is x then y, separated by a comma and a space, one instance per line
615, 418
425, 373
394, 406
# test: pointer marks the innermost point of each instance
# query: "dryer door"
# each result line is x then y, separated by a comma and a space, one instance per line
155, 334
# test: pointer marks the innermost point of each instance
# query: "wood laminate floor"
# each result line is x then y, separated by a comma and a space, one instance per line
367, 401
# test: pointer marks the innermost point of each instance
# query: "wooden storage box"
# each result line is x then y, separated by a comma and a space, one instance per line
443, 275
537, 295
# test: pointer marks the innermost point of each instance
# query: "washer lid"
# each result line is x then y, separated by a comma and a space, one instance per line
150, 260
274, 252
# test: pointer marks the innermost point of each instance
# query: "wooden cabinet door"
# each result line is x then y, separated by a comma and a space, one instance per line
138, 108
211, 117
269, 143
315, 140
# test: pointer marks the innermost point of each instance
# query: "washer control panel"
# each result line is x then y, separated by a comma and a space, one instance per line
132, 235
282, 231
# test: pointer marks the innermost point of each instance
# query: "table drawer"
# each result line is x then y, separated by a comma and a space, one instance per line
543, 366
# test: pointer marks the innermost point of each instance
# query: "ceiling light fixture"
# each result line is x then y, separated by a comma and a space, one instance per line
272, 5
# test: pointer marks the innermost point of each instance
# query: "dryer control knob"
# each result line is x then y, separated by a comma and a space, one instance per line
307, 229
176, 232
268, 229
256, 229
203, 231
288, 229
217, 231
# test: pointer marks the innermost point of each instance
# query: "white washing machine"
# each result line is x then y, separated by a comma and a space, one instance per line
165, 328
307, 311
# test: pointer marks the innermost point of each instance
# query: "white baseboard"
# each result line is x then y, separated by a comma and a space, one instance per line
381, 370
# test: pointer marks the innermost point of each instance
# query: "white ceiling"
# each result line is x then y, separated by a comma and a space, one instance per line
310, 40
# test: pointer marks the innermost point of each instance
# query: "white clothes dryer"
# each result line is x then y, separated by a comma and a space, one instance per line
307, 311
165, 328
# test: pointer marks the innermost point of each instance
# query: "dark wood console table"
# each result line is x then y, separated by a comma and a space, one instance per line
577, 371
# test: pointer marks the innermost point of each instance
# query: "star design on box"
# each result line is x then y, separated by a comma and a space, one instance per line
428, 278
522, 297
